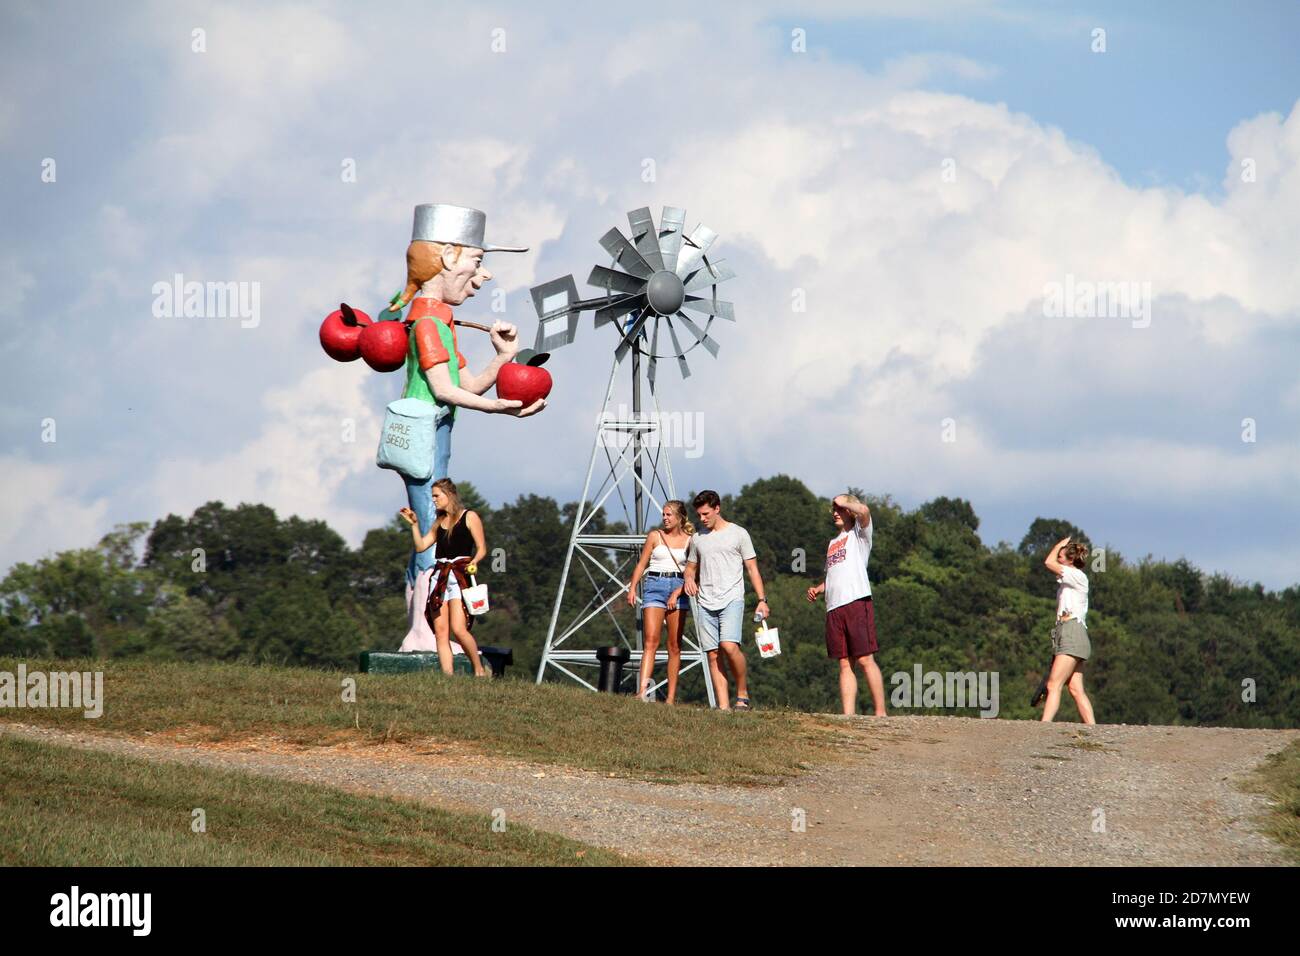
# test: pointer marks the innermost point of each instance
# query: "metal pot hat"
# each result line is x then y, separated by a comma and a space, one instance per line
458, 225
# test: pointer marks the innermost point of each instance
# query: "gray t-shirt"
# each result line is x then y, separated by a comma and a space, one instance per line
721, 556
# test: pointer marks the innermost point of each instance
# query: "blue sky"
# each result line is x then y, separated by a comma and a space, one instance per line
823, 171
1173, 77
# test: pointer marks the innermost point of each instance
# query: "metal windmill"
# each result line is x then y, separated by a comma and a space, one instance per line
656, 278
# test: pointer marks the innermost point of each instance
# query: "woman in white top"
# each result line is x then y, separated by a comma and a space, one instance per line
660, 572
1070, 644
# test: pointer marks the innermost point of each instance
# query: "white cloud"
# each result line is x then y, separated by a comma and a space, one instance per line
817, 175
15, 284
44, 509
297, 458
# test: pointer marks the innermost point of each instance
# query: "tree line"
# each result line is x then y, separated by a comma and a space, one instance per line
1170, 644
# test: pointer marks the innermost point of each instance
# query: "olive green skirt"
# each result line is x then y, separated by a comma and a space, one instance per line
1071, 637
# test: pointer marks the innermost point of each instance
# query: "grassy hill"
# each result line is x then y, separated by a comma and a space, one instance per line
547, 723
64, 807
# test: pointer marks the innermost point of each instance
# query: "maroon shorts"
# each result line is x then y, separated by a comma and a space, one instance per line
851, 630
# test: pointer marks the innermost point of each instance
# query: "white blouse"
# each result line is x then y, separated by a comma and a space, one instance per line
1072, 595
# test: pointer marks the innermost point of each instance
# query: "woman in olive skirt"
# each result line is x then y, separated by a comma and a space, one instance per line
1070, 644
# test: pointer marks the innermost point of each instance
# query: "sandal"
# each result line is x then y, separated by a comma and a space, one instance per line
742, 703
1039, 694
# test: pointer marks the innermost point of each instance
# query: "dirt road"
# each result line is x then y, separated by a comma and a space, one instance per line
897, 791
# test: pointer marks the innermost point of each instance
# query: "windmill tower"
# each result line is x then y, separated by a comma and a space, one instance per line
655, 279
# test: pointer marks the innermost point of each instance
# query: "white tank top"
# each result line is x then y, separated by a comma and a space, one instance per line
661, 558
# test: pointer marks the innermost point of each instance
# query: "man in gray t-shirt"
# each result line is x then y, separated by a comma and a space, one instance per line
716, 561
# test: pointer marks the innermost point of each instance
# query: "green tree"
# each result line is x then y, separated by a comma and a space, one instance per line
784, 520
1044, 533
1170, 645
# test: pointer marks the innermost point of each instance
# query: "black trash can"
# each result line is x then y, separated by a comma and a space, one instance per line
497, 658
611, 660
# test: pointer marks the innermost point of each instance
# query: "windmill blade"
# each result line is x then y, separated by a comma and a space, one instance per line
616, 281
625, 254
583, 305
654, 356
697, 244
677, 348
620, 306
644, 237
671, 224
561, 288
710, 273
631, 335
700, 335
723, 310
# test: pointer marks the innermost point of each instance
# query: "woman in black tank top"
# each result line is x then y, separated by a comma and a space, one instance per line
459, 540
456, 542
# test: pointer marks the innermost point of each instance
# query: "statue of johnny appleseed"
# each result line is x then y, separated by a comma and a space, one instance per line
444, 267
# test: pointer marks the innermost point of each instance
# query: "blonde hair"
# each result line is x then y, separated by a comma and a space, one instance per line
423, 262
448, 488
679, 509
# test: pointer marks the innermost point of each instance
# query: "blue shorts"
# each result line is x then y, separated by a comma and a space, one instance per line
655, 592
722, 625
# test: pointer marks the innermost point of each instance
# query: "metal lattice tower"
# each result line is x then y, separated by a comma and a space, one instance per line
649, 287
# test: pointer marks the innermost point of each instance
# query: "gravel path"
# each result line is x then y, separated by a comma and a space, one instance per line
896, 791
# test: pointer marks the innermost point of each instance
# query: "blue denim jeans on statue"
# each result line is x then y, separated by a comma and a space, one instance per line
419, 495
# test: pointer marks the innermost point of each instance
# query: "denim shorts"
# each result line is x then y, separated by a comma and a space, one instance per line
655, 592
721, 625
452, 591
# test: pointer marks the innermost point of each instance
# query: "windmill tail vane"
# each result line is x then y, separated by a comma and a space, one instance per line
656, 277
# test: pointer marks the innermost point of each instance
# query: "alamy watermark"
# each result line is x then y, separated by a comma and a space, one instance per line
952, 690
130, 910
179, 299
80, 690
683, 430
1081, 299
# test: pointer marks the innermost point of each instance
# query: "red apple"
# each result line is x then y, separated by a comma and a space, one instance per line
383, 345
523, 383
340, 332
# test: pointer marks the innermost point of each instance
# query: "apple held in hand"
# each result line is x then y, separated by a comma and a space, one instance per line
524, 383
383, 345
340, 333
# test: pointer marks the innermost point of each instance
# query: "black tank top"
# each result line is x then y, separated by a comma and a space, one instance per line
455, 542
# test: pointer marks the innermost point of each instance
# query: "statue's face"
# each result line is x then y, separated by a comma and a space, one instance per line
464, 276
